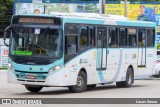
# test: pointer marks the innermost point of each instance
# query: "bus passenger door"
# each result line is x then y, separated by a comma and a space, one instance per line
141, 48
101, 49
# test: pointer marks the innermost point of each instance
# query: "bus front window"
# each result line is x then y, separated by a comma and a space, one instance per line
36, 42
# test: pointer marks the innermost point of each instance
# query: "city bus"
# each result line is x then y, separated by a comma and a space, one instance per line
79, 50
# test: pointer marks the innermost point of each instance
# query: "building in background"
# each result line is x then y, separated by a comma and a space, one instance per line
136, 10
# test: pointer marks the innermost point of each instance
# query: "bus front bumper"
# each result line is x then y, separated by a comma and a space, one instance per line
56, 79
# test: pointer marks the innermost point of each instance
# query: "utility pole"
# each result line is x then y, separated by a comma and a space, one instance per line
125, 8
102, 4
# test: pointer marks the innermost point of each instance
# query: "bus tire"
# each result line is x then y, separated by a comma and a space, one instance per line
129, 78
33, 88
81, 84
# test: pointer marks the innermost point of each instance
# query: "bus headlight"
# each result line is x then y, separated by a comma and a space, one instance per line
55, 68
10, 66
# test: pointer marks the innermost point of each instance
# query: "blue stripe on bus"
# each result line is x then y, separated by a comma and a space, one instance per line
135, 23
86, 21
102, 79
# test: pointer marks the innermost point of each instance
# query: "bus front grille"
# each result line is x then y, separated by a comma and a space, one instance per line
31, 76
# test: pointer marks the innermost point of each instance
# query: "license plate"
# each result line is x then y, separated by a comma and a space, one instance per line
31, 76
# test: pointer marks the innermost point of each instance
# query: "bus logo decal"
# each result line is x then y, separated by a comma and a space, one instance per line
134, 56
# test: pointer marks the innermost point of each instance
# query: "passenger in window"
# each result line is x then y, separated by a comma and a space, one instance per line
140, 39
143, 39
83, 42
99, 41
150, 38
92, 37
83, 38
92, 41
123, 37
72, 45
112, 38
132, 40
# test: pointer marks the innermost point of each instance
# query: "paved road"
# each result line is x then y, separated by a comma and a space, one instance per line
149, 88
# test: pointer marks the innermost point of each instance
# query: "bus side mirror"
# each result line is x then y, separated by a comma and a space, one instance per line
5, 35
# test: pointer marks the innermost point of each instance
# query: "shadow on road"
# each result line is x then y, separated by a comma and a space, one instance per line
66, 91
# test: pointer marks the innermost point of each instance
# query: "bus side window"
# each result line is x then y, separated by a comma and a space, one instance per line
71, 38
99, 39
92, 36
84, 38
72, 44
132, 37
113, 37
150, 37
141, 37
122, 37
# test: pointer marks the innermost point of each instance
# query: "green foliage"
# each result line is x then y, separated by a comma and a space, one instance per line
5, 14
158, 46
4, 6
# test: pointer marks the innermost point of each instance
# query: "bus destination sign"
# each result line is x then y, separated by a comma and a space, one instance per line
36, 20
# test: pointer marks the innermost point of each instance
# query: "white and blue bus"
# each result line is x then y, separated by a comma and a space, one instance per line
79, 50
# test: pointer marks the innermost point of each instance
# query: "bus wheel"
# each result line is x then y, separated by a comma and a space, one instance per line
129, 79
33, 88
81, 84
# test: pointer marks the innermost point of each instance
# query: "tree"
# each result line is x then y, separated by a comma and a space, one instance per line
5, 14
4, 6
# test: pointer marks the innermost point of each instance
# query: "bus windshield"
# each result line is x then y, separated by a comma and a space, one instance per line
36, 42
